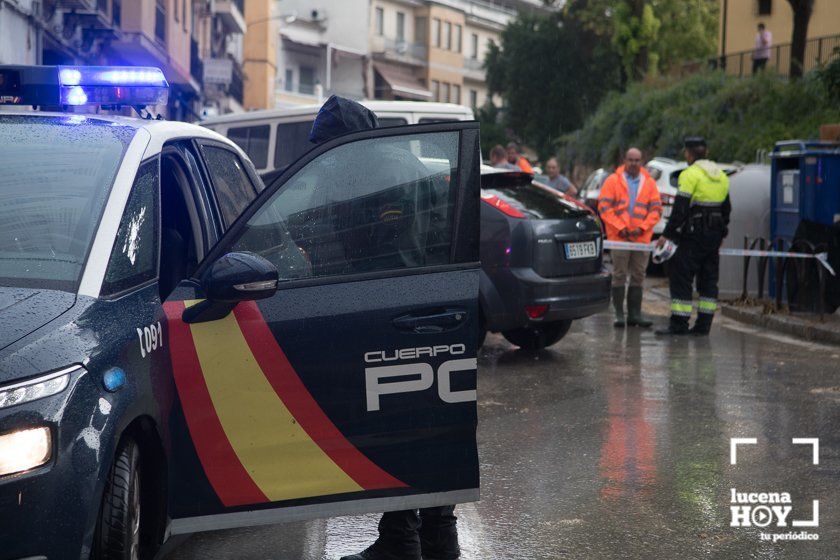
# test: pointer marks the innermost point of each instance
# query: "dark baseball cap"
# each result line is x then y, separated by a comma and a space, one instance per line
340, 116
694, 142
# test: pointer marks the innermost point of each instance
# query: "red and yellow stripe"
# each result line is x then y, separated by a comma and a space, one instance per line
259, 433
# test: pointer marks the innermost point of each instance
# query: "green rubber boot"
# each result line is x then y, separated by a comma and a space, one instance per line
634, 308
618, 304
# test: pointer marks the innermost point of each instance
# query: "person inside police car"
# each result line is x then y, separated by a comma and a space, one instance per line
428, 533
698, 225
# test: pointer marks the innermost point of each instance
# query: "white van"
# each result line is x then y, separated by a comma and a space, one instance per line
274, 138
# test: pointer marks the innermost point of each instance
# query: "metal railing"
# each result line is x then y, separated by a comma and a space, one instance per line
818, 51
786, 269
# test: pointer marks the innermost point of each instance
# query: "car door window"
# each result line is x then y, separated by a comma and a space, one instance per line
134, 255
341, 215
231, 183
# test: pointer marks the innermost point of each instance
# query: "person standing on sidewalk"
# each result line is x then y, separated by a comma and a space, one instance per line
698, 224
630, 207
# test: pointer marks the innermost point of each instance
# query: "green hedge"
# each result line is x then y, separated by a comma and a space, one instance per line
737, 116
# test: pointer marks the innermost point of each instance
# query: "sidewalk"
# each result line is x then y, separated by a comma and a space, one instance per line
806, 326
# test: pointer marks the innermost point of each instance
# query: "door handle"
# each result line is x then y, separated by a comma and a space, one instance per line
433, 322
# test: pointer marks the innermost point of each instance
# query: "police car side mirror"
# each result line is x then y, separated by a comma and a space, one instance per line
233, 278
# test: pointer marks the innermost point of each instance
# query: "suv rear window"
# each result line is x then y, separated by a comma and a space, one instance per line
532, 199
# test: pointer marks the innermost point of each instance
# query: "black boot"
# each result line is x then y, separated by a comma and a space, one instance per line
398, 538
702, 325
676, 326
618, 304
439, 533
634, 308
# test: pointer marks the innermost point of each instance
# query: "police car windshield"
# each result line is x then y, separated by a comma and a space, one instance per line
56, 176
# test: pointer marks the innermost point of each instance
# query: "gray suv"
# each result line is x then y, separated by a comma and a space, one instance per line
541, 260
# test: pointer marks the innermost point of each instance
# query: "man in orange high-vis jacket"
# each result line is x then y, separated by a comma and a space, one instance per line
630, 207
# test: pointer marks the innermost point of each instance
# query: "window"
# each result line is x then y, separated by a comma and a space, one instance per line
456, 94
292, 142
231, 184
473, 98
176, 12
134, 255
254, 141
116, 12
348, 218
289, 84
391, 121
160, 21
436, 32
54, 185
436, 90
459, 31
306, 81
400, 26
421, 30
380, 21
444, 93
447, 36
765, 7
474, 46
184, 14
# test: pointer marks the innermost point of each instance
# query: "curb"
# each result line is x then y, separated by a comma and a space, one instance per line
826, 333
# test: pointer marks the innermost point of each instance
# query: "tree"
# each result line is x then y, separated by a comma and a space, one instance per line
802, 11
650, 36
551, 73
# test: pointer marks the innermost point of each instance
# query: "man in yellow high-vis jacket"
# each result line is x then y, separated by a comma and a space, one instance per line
699, 223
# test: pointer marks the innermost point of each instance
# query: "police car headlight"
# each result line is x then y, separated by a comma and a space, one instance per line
24, 450
38, 388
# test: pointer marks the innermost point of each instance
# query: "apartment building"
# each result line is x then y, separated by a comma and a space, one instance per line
427, 50
197, 44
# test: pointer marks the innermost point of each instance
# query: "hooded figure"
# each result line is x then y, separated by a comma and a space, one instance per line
339, 116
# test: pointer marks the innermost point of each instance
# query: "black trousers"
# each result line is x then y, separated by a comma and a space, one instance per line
403, 532
697, 259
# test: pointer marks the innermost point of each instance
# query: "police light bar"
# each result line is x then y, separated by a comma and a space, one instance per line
82, 85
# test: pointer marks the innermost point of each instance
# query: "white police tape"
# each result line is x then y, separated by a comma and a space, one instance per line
822, 258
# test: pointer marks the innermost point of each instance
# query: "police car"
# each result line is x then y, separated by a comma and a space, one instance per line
183, 349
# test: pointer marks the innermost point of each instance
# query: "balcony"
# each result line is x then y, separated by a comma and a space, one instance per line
400, 51
230, 13
473, 69
76, 4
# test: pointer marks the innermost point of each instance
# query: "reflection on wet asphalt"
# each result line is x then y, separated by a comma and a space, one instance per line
615, 444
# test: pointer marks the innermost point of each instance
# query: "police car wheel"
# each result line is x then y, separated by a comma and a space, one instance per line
538, 337
118, 530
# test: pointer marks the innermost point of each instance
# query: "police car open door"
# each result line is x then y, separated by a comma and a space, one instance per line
353, 387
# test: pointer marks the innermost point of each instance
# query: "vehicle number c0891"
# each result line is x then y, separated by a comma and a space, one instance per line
151, 338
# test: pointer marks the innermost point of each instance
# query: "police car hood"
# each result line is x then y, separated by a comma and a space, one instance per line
23, 310
710, 168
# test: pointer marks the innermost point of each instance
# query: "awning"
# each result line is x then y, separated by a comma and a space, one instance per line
402, 82
302, 37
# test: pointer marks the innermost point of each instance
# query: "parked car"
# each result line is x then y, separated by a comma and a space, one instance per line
541, 260
592, 187
274, 138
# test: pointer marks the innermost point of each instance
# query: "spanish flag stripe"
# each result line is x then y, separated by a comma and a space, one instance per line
227, 476
299, 401
276, 451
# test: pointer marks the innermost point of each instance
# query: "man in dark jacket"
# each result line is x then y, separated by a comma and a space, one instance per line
428, 533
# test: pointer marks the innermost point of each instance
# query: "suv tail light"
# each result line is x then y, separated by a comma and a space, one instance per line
504, 207
536, 311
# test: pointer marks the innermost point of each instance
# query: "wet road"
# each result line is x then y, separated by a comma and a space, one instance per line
615, 444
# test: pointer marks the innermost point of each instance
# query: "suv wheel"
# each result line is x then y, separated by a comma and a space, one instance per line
538, 337
118, 530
